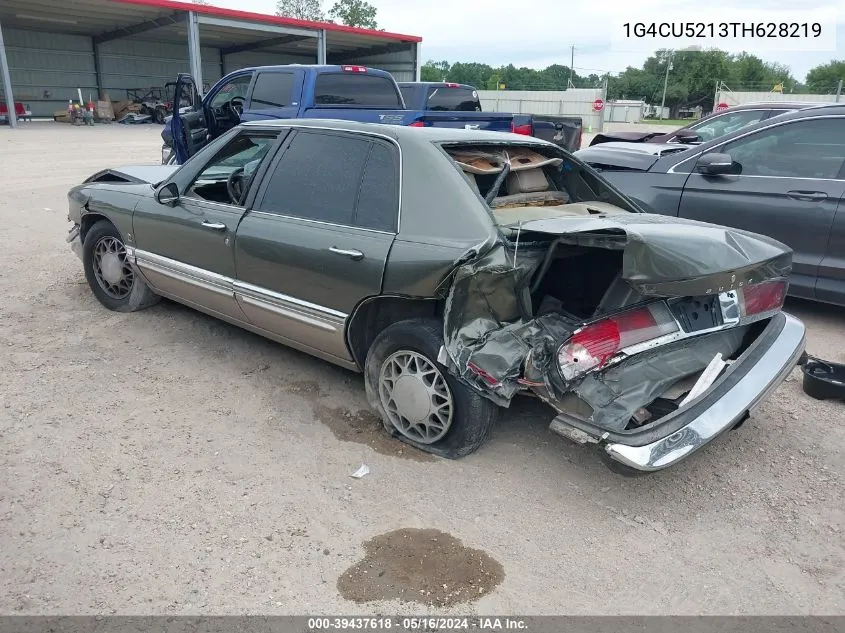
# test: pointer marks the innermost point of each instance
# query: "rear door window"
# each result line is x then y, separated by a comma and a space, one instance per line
317, 178
355, 89
446, 99
272, 90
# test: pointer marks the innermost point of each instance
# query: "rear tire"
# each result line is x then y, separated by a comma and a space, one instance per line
419, 401
113, 280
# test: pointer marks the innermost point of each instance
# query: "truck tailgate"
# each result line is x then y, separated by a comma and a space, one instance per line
564, 131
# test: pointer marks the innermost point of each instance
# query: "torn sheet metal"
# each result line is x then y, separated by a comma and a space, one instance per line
668, 256
616, 393
487, 322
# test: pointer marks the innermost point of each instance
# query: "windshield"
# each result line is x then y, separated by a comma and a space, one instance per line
720, 125
520, 183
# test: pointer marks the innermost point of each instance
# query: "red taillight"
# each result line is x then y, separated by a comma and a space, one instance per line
594, 345
526, 129
452, 85
355, 69
416, 124
767, 296
486, 377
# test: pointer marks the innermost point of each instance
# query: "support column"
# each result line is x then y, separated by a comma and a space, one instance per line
418, 61
321, 46
194, 57
7, 82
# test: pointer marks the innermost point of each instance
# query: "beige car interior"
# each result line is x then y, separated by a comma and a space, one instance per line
527, 187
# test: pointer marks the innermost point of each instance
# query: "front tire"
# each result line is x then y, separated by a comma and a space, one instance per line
110, 274
419, 401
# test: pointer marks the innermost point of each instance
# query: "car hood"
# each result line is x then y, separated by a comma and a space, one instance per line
628, 156
134, 174
667, 256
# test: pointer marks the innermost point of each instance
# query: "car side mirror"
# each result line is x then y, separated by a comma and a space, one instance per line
168, 194
687, 137
714, 164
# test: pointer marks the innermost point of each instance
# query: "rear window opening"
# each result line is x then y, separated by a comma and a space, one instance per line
521, 183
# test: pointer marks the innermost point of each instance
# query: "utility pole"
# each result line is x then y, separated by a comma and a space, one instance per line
571, 66
838, 91
666, 82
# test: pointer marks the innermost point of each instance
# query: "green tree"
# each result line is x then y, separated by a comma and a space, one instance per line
355, 13
300, 9
434, 71
825, 78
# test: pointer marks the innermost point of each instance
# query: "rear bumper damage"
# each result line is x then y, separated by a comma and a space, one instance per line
684, 343
732, 398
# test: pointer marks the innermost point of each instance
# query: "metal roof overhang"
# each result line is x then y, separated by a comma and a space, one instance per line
165, 20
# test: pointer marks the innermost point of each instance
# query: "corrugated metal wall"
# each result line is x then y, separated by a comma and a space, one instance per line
47, 68
574, 102
136, 63
262, 58
400, 64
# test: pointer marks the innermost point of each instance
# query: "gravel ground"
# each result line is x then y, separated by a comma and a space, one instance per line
163, 462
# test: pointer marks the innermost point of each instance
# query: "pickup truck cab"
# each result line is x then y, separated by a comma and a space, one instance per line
446, 104
352, 93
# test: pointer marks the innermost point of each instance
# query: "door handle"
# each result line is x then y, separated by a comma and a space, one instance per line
214, 226
351, 254
807, 196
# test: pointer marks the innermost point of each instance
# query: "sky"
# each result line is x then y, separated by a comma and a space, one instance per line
538, 33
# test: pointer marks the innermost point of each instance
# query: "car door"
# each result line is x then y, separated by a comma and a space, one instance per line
184, 244
787, 185
224, 106
725, 123
317, 239
275, 94
831, 282
190, 125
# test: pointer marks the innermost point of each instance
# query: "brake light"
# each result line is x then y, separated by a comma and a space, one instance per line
355, 69
452, 85
525, 129
594, 345
416, 124
767, 296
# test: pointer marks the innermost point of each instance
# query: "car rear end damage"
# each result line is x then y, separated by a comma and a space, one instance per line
647, 334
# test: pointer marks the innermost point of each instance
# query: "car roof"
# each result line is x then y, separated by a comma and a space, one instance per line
401, 132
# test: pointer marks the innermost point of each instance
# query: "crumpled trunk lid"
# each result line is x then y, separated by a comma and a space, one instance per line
673, 257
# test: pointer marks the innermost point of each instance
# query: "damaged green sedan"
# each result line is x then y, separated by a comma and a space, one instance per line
456, 269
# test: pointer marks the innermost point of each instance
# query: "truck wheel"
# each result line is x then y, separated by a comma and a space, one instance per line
419, 402
110, 275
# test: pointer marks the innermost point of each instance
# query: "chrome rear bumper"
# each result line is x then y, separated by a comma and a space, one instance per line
752, 378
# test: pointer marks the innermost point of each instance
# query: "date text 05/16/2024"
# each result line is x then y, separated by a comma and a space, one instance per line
722, 29
422, 624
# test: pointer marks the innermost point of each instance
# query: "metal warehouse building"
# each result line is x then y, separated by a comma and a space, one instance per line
49, 49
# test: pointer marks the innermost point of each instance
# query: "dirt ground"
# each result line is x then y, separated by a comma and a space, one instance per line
163, 462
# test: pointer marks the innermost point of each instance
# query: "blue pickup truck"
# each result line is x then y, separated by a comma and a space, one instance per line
444, 104
354, 93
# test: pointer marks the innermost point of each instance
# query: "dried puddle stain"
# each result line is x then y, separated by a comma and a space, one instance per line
425, 566
365, 427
